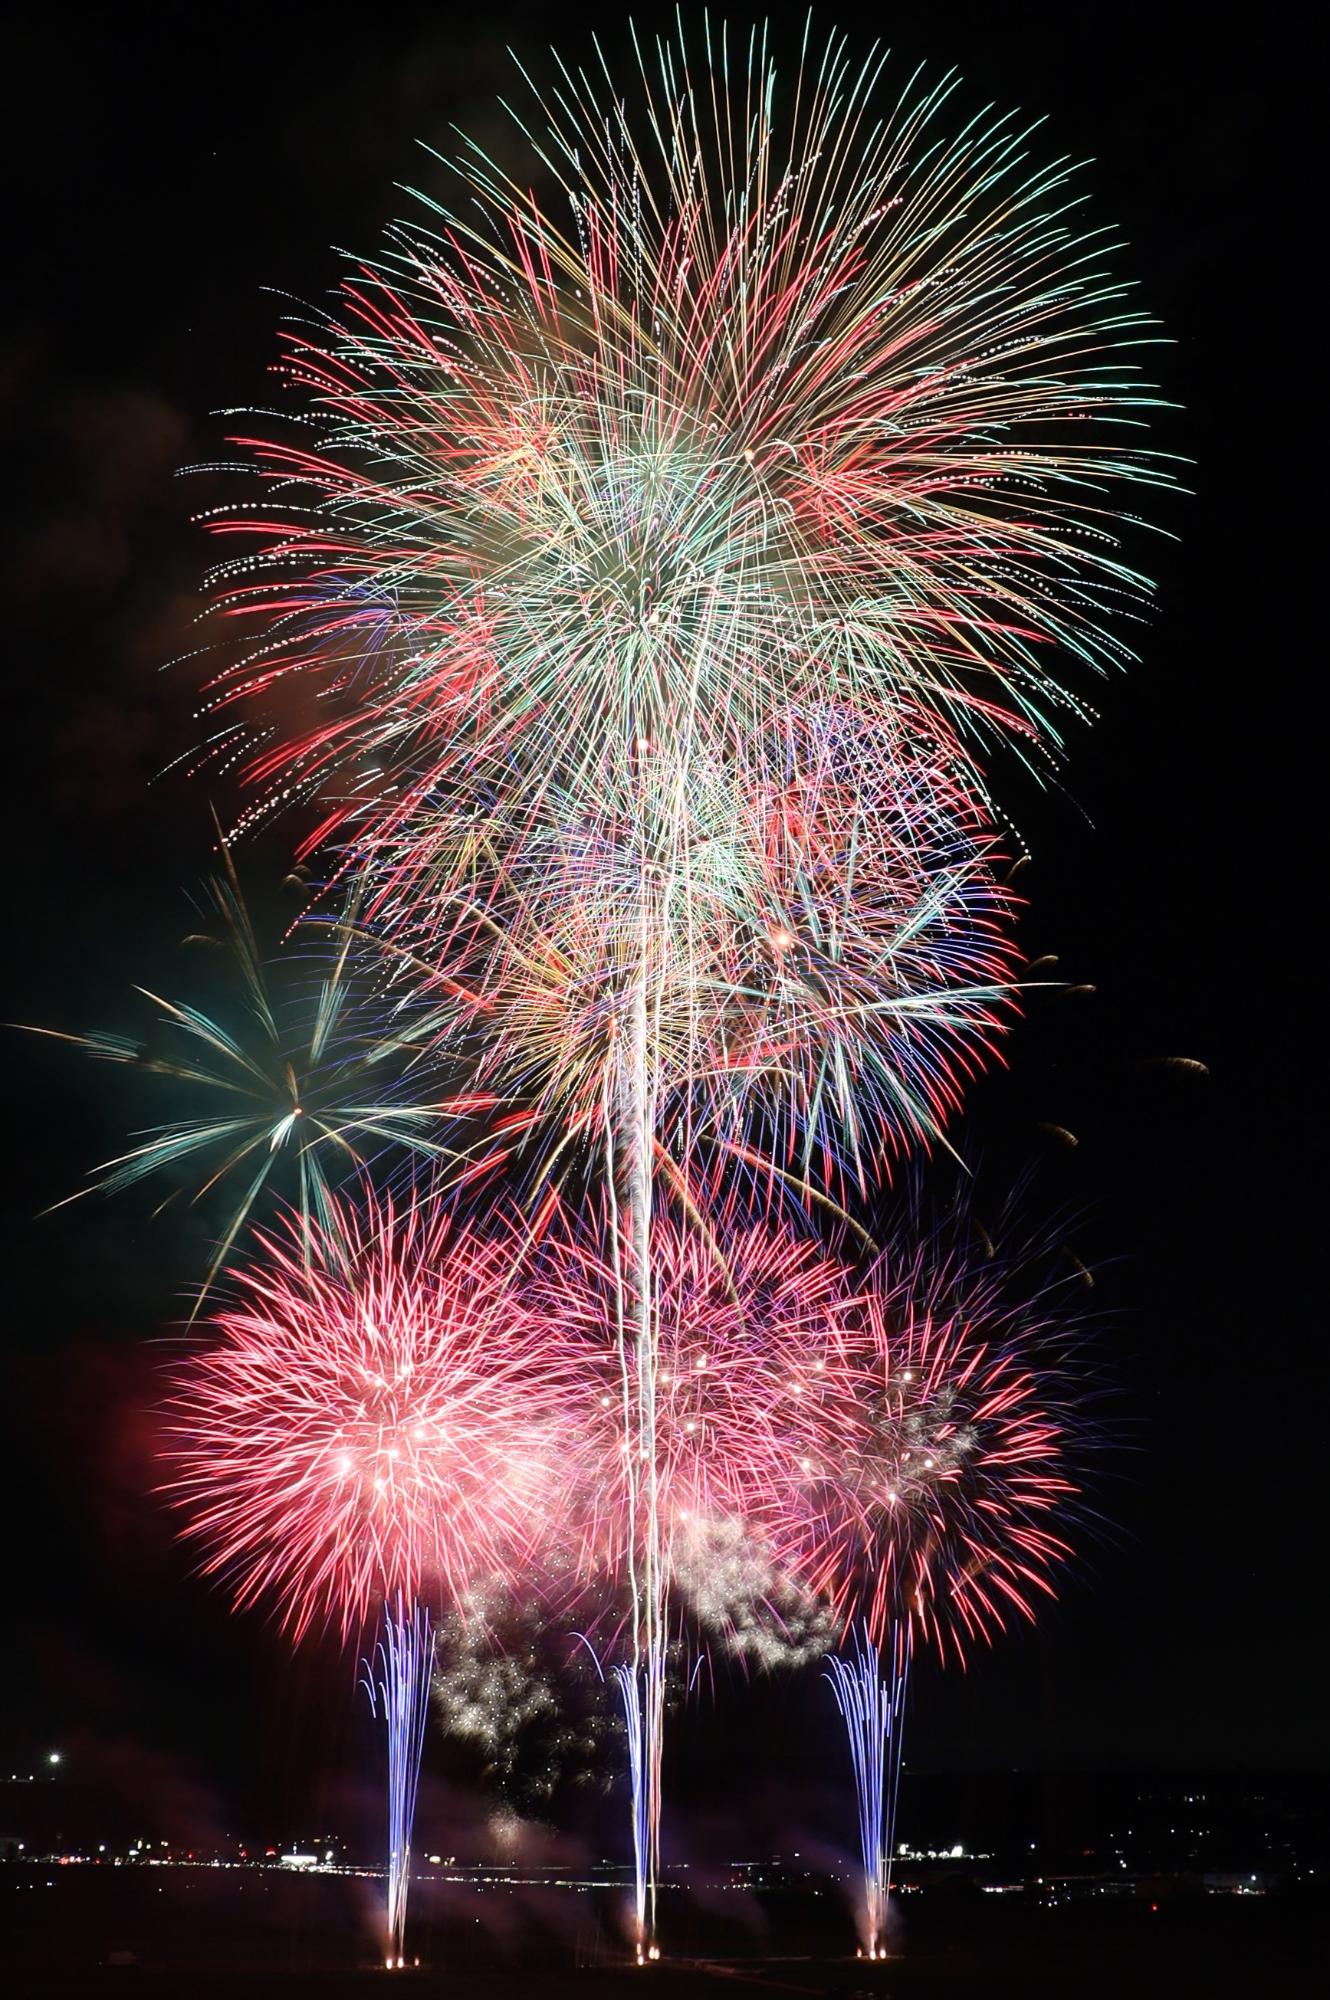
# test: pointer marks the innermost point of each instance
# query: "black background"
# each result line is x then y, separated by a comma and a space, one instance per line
165, 169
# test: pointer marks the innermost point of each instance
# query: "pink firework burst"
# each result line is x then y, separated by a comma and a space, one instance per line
954, 1428
725, 1430
368, 1417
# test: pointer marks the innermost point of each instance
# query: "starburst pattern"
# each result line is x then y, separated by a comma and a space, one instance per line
295, 1082
797, 400
373, 1415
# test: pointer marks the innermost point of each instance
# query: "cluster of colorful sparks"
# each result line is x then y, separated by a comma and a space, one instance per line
651, 553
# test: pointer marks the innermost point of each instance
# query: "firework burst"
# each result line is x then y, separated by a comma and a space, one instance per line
800, 399
819, 929
294, 1083
373, 1415
956, 1440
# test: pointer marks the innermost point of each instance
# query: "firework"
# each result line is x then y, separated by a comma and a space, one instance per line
293, 1086
634, 596
741, 1595
372, 1416
819, 932
741, 1330
954, 1404
872, 1707
367, 1420
398, 1689
642, 1726
940, 1508
489, 1694
510, 1681
776, 404
681, 1435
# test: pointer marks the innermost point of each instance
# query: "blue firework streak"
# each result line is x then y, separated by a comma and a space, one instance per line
870, 1689
400, 1695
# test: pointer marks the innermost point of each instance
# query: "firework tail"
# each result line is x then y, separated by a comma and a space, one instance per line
870, 1689
400, 1696
628, 1681
645, 1712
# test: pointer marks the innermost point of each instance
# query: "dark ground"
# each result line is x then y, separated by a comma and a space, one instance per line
219, 1935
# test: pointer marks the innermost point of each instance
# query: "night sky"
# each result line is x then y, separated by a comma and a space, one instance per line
164, 184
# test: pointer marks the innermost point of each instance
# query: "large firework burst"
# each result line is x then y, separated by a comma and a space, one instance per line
771, 397
648, 565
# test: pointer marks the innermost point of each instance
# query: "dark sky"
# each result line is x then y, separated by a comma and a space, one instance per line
161, 178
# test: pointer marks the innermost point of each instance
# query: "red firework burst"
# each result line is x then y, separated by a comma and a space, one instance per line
366, 1418
742, 1340
952, 1425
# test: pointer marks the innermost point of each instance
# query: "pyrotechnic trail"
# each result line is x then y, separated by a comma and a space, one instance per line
633, 1682
374, 1417
738, 1338
953, 1428
633, 597
398, 1689
870, 1694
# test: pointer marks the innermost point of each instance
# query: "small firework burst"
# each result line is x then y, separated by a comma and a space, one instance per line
296, 1079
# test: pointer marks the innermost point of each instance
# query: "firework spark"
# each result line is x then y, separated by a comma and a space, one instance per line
510, 1681
739, 1594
